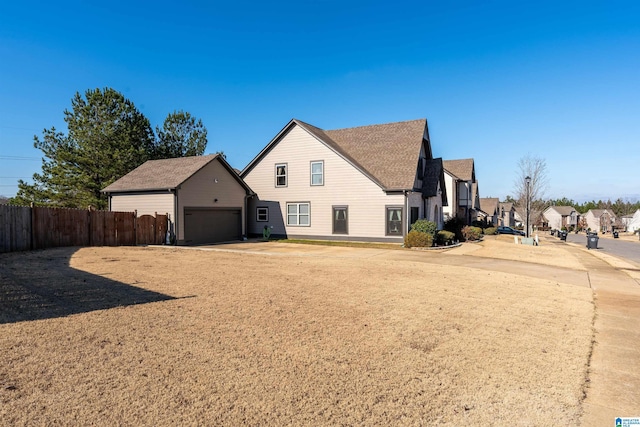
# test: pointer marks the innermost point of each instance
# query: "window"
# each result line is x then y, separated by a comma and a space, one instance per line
298, 214
340, 223
317, 173
394, 221
262, 214
281, 175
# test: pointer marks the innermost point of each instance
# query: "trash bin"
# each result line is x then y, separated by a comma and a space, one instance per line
592, 241
563, 236
615, 234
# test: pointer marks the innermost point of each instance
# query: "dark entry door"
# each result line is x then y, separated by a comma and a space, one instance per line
340, 220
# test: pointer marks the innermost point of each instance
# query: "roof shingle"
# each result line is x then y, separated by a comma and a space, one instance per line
160, 174
388, 152
462, 168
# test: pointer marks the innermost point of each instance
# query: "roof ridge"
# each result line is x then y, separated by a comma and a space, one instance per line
377, 124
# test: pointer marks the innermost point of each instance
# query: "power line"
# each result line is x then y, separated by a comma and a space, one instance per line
18, 158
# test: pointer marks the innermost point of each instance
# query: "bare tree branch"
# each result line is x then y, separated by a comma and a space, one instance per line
536, 169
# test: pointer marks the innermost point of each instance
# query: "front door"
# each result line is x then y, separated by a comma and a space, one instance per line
340, 220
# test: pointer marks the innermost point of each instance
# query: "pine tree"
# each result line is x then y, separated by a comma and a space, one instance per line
107, 137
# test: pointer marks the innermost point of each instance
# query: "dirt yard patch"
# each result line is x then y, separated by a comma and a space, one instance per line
147, 336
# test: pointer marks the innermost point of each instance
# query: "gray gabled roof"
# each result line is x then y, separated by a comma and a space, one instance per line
387, 153
462, 169
563, 210
166, 174
599, 212
489, 205
507, 206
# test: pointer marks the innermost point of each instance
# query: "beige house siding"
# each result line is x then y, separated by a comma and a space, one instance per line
144, 203
450, 210
554, 219
344, 185
212, 187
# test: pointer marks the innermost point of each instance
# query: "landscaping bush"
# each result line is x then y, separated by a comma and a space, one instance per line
490, 231
418, 239
444, 237
424, 226
472, 233
455, 225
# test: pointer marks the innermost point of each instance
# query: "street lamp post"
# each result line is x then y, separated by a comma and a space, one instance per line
528, 181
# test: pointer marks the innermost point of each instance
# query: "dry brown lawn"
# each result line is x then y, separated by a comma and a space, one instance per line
150, 336
503, 247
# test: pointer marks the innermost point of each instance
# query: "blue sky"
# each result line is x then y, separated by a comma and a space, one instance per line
496, 79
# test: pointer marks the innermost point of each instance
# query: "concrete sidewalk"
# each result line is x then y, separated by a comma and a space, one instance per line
613, 389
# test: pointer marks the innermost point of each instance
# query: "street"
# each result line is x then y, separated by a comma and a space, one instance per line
621, 248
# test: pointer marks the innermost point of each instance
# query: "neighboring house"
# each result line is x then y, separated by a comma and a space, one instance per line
601, 220
558, 217
204, 197
462, 190
363, 183
490, 207
632, 222
507, 214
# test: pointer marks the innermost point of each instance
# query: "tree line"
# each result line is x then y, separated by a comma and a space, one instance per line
106, 138
535, 169
619, 207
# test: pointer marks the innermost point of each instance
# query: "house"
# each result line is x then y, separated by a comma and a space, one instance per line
632, 222
204, 197
507, 214
601, 220
489, 207
559, 217
367, 183
462, 190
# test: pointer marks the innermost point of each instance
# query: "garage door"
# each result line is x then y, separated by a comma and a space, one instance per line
211, 225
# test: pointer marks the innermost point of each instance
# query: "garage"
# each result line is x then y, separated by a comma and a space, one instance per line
212, 225
204, 197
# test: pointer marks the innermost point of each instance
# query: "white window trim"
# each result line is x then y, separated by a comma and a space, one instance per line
286, 173
266, 209
298, 214
311, 174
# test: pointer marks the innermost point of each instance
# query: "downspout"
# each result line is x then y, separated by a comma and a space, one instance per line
406, 214
175, 216
246, 214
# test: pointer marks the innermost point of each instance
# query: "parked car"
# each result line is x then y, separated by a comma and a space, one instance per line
503, 229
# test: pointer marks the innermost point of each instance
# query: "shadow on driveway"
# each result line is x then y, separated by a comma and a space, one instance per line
41, 285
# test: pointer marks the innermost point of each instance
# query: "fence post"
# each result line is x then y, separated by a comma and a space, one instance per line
33, 220
135, 227
89, 226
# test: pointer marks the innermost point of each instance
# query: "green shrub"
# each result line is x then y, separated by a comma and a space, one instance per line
418, 239
424, 226
444, 237
472, 233
490, 231
455, 225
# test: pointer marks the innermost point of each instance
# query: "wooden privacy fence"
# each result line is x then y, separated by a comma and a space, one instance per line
25, 228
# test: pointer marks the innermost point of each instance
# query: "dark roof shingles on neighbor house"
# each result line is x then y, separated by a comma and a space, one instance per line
388, 153
563, 210
489, 205
462, 169
162, 174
